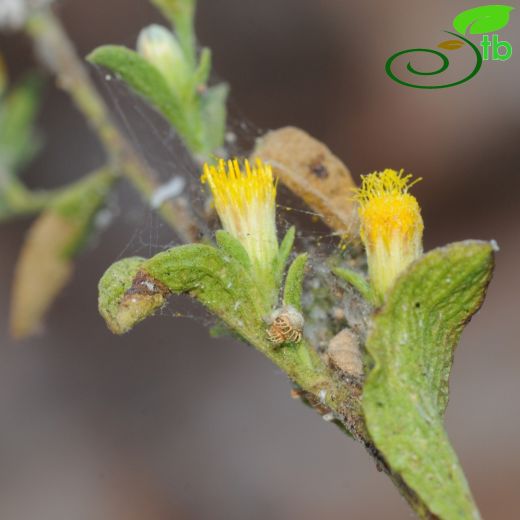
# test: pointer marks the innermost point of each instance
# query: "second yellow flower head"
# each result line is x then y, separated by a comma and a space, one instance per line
391, 226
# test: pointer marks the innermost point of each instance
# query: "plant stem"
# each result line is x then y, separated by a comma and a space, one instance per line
326, 391
17, 200
59, 55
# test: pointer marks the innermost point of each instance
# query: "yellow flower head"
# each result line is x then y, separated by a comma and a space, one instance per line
244, 198
391, 226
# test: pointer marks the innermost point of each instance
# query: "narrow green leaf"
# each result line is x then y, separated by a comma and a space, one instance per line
284, 252
203, 70
294, 282
483, 19
18, 141
232, 247
214, 113
357, 280
79, 204
147, 81
411, 346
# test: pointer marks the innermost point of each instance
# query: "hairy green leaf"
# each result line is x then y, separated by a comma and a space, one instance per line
292, 294
483, 19
18, 141
232, 247
203, 69
411, 347
114, 283
147, 81
214, 113
79, 205
357, 280
283, 254
219, 282
210, 275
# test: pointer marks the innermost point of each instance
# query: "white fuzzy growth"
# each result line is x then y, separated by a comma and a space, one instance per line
13, 13
170, 190
103, 218
149, 285
295, 317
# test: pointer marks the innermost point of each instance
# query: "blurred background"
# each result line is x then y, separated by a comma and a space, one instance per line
166, 423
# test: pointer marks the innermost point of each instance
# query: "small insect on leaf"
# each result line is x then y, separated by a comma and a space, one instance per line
285, 326
451, 45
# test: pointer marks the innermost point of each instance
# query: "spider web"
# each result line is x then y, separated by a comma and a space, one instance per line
161, 148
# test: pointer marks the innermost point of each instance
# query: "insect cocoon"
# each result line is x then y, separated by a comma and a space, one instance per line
344, 354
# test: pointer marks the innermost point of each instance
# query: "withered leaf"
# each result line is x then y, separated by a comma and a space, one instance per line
41, 273
309, 169
46, 263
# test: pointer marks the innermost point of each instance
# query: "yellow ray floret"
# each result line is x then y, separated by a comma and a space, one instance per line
391, 226
244, 196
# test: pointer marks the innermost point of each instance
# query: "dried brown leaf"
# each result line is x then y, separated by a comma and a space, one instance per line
309, 169
41, 273
46, 260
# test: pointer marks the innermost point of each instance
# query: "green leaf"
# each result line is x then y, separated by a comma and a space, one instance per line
411, 346
357, 280
294, 282
79, 204
224, 287
112, 287
483, 19
213, 113
16, 199
18, 110
147, 81
283, 254
206, 273
232, 247
203, 69
222, 284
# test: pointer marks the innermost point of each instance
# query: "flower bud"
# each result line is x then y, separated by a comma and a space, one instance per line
160, 47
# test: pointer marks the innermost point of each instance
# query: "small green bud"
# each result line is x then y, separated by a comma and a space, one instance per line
160, 47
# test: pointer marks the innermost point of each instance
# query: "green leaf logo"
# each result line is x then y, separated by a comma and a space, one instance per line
483, 19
